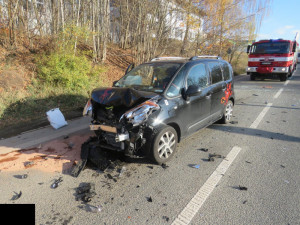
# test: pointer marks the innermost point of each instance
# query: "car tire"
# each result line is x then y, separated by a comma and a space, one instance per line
252, 76
227, 113
164, 145
283, 76
290, 72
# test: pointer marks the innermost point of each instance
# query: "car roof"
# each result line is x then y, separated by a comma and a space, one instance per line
185, 60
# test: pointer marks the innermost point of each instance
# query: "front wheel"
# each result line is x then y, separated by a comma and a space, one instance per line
283, 76
252, 76
164, 145
227, 113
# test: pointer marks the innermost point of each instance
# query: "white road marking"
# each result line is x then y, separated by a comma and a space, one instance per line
286, 83
261, 116
191, 209
278, 93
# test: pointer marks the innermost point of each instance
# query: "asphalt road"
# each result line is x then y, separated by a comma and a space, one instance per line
261, 153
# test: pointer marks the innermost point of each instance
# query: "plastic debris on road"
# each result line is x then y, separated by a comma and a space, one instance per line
85, 192
94, 209
149, 199
196, 166
56, 118
23, 176
56, 183
16, 196
122, 171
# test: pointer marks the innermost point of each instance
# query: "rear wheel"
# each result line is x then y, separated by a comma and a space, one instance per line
164, 145
227, 113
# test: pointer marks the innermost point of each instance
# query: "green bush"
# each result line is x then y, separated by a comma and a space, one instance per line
67, 70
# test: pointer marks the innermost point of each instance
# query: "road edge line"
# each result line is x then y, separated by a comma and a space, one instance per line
191, 209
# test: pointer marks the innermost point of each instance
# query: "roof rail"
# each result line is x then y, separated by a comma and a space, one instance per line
167, 58
205, 56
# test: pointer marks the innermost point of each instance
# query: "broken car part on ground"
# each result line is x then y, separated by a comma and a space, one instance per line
157, 104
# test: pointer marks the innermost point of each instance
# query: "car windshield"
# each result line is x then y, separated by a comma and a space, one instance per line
149, 77
271, 48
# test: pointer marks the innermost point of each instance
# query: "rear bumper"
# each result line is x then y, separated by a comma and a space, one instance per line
275, 70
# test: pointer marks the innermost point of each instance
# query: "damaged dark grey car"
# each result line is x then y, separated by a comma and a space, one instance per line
155, 105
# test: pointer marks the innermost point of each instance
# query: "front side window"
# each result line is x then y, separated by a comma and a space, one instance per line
216, 72
177, 84
149, 77
198, 76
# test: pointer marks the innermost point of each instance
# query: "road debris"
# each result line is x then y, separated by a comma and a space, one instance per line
248, 162
94, 209
196, 166
16, 196
255, 95
149, 199
286, 181
234, 122
282, 166
56, 183
28, 164
211, 157
203, 149
85, 192
165, 166
23, 176
56, 118
166, 218
244, 202
122, 171
242, 188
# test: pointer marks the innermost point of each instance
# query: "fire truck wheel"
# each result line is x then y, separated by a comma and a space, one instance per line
252, 76
283, 76
290, 72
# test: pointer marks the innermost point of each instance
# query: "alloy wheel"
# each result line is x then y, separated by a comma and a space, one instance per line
166, 145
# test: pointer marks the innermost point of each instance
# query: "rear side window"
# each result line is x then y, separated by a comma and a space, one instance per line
198, 76
226, 71
216, 72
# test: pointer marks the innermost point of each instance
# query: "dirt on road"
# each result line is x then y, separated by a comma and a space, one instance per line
55, 156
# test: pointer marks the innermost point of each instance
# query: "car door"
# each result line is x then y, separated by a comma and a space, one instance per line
218, 87
197, 109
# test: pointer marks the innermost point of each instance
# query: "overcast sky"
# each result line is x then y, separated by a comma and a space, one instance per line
283, 21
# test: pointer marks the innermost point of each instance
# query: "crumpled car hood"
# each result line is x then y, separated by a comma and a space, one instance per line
116, 96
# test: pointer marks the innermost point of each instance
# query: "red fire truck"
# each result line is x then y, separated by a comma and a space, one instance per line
272, 58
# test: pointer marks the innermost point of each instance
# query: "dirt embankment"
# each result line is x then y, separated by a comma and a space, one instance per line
18, 68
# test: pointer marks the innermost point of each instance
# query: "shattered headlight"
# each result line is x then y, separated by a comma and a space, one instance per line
87, 108
140, 113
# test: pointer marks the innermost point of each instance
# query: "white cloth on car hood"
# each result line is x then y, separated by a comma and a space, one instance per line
56, 118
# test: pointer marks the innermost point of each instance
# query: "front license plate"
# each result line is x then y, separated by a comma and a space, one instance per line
266, 63
104, 128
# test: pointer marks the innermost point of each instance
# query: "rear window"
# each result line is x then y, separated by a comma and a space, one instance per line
226, 71
216, 72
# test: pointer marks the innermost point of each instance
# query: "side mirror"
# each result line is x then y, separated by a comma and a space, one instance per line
248, 49
129, 68
193, 90
294, 47
114, 83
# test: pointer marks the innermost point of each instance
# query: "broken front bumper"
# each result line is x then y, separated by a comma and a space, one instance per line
119, 136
